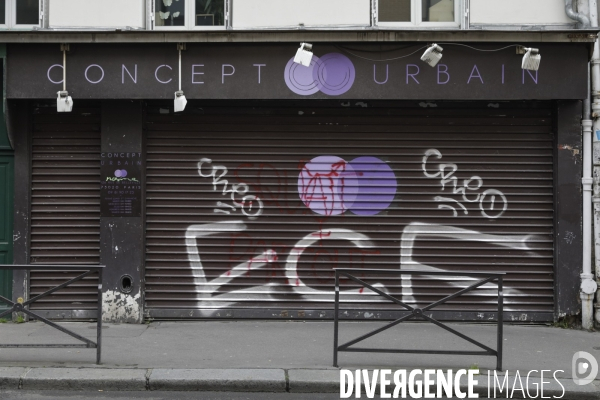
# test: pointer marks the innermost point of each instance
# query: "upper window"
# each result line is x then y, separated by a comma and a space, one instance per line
18, 14
418, 13
189, 14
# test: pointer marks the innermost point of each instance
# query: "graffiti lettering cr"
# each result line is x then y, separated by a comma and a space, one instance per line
492, 202
250, 205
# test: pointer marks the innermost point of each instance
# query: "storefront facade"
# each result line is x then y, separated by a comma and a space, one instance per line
242, 205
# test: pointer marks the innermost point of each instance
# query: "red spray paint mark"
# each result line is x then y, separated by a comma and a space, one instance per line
320, 185
321, 234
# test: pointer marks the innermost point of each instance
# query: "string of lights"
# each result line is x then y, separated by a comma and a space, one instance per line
432, 55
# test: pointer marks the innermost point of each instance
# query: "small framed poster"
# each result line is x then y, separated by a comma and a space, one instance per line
121, 184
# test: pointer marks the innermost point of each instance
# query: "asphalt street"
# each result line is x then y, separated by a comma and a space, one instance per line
59, 395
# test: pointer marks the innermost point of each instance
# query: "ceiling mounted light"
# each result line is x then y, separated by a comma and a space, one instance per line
432, 55
531, 59
304, 54
180, 100
64, 102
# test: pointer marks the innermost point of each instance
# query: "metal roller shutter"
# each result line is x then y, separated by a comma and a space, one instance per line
65, 203
249, 209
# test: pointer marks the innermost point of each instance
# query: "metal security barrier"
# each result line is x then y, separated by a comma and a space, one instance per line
414, 312
21, 306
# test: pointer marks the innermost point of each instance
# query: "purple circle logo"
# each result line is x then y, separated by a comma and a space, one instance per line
120, 173
300, 79
329, 185
332, 74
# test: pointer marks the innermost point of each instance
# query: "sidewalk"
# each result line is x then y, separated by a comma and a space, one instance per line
270, 356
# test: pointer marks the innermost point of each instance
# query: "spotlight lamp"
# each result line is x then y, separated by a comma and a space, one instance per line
64, 102
432, 55
304, 54
180, 100
531, 59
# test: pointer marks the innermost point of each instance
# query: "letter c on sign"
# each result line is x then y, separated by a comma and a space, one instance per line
86, 73
156, 73
50, 69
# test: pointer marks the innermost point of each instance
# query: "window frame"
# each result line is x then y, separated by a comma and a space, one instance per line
7, 14
190, 19
10, 14
417, 22
169, 28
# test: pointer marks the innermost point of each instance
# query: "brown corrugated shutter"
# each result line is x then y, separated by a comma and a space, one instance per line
473, 186
65, 204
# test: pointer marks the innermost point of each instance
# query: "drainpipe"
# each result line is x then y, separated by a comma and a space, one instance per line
587, 161
582, 20
588, 283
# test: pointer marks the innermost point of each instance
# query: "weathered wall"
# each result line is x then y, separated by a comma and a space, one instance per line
19, 123
568, 200
518, 12
290, 13
121, 238
96, 13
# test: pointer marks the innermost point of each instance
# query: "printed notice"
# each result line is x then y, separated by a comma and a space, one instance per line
120, 185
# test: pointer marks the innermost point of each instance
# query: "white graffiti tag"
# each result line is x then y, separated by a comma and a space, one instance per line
206, 289
418, 230
250, 205
492, 202
291, 265
209, 294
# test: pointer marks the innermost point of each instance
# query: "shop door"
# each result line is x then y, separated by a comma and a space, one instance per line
249, 209
65, 206
6, 224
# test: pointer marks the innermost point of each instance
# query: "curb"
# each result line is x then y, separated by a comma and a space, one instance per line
238, 380
84, 379
219, 380
11, 377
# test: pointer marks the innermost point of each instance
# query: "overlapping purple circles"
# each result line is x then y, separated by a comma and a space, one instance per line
120, 173
329, 185
332, 74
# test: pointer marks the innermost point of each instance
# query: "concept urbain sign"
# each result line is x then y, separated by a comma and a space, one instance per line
120, 185
266, 71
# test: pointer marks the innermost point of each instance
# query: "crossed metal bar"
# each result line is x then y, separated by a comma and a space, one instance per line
420, 313
20, 306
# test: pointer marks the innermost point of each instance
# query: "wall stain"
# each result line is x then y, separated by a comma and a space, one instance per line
574, 151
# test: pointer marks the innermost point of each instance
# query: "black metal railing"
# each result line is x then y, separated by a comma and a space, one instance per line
21, 305
414, 312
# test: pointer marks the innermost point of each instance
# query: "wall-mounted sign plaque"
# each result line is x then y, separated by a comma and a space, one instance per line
120, 185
